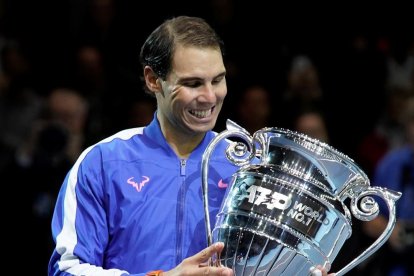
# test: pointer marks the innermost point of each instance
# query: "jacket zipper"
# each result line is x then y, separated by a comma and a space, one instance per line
181, 206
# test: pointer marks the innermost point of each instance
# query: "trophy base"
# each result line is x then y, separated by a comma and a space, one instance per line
249, 253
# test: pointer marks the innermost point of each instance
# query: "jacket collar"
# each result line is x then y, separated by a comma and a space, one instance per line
154, 133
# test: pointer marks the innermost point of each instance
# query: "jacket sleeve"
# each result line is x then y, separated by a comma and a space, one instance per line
79, 226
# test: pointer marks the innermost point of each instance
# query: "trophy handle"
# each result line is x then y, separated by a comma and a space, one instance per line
368, 210
235, 153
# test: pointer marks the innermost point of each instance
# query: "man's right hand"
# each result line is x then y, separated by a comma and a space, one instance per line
198, 264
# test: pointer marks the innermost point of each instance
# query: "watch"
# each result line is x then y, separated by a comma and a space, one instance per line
154, 273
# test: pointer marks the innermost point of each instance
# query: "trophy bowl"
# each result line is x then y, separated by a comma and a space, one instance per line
285, 210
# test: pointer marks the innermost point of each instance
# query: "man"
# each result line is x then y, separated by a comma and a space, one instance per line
132, 203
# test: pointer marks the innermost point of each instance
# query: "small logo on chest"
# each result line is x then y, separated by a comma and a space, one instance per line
136, 185
222, 185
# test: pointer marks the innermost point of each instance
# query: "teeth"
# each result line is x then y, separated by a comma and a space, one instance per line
201, 113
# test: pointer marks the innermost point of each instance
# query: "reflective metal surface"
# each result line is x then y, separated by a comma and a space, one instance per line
284, 211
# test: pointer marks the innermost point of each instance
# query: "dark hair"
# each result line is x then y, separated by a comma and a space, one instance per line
158, 49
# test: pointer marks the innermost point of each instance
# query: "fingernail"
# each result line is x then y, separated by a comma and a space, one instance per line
316, 272
226, 271
218, 244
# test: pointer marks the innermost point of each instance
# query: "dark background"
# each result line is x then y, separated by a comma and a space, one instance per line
261, 38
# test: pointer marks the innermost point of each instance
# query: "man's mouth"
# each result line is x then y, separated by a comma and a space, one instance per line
201, 113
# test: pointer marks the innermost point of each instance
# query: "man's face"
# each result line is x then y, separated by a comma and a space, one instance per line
193, 92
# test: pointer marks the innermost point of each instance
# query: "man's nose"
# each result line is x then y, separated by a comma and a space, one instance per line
208, 94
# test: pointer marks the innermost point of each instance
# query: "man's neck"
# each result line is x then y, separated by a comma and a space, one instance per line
182, 143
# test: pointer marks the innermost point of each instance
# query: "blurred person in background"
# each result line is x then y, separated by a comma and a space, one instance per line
92, 80
20, 105
312, 123
388, 132
37, 167
253, 108
396, 171
70, 109
303, 89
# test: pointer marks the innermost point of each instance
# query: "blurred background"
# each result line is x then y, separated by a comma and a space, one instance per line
70, 76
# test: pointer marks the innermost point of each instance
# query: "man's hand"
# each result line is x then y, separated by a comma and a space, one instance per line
198, 264
320, 271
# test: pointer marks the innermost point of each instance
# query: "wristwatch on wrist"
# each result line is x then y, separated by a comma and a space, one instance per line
154, 273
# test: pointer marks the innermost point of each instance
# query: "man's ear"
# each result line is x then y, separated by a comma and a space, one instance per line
151, 80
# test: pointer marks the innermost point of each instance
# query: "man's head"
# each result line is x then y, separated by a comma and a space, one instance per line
157, 51
183, 67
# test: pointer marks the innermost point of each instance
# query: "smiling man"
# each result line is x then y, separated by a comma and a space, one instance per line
132, 204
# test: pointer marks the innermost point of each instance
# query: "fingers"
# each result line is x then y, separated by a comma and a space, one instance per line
222, 271
208, 252
200, 264
320, 271
316, 271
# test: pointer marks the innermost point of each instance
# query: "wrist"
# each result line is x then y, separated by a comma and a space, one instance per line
154, 273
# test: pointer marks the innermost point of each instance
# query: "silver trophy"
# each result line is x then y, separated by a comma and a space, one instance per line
286, 208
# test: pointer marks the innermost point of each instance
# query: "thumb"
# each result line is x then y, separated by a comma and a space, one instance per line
208, 252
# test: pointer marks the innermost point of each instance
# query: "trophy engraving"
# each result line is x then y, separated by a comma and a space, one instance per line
285, 210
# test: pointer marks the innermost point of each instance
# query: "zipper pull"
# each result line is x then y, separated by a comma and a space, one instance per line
182, 168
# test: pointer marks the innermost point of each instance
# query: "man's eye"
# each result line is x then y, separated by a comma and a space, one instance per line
192, 84
216, 81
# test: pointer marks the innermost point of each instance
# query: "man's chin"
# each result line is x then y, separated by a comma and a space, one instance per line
202, 128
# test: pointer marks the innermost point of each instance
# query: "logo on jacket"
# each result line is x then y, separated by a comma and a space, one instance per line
136, 185
222, 185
